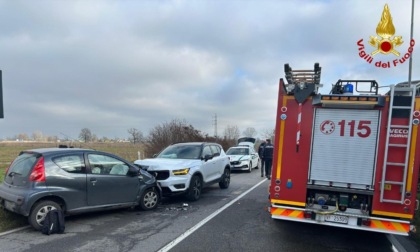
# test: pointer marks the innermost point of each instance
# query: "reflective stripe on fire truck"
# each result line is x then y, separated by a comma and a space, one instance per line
280, 153
298, 124
376, 224
390, 214
390, 225
412, 150
287, 212
286, 202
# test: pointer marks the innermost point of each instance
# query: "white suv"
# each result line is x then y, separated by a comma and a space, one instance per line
188, 167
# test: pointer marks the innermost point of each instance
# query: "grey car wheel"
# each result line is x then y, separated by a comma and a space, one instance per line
149, 200
39, 211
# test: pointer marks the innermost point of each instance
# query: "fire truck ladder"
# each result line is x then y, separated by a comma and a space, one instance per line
397, 91
302, 83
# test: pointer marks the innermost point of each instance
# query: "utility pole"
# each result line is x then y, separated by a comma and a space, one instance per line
411, 38
215, 125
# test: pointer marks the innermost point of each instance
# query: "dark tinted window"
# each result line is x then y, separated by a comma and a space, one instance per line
70, 163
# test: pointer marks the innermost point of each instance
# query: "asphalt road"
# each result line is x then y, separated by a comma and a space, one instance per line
219, 221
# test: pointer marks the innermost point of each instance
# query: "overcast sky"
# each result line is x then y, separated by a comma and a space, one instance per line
114, 65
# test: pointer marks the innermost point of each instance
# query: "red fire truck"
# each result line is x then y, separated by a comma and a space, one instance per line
349, 158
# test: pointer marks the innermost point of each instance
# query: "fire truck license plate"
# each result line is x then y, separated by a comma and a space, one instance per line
337, 219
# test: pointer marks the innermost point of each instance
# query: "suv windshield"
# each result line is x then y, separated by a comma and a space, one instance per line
20, 168
238, 151
181, 152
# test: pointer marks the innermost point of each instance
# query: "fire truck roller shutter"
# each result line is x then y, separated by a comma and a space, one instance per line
344, 147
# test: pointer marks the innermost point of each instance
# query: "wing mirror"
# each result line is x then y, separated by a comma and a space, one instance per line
133, 173
208, 157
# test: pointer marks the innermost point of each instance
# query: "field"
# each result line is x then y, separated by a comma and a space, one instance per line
9, 151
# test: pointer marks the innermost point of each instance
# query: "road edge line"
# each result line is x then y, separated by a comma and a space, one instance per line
187, 233
14, 230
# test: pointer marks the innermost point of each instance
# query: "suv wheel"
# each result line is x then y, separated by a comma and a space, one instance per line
149, 200
194, 191
224, 183
39, 211
250, 167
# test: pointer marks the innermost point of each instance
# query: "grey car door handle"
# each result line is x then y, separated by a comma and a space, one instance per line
93, 180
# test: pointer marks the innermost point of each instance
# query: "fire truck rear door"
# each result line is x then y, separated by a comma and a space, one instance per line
344, 147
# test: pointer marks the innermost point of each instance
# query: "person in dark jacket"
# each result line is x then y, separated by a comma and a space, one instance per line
261, 154
268, 157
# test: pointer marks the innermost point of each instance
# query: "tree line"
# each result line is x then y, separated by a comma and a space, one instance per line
162, 135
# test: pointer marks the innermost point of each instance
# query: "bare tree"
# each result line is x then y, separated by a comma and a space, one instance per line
230, 135
85, 135
22, 137
104, 139
176, 131
269, 134
37, 136
136, 136
250, 132
52, 138
231, 132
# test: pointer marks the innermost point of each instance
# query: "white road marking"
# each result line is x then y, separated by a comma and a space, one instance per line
207, 219
14, 230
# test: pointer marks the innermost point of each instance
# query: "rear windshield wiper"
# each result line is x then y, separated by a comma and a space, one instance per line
11, 174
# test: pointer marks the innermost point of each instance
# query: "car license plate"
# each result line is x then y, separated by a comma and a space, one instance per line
337, 219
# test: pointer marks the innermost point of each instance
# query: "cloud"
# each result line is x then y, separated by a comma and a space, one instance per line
114, 65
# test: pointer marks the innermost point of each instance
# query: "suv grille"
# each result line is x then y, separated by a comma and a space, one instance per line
235, 163
161, 175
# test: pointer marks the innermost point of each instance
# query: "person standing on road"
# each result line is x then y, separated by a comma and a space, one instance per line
261, 154
268, 157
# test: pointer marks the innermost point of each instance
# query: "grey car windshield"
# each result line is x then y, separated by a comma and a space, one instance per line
181, 152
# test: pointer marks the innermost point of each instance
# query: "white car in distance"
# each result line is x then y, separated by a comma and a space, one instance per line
243, 157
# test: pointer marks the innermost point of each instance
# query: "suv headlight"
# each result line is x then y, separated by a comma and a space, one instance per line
181, 171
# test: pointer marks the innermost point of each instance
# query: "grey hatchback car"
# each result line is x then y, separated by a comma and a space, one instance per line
75, 181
